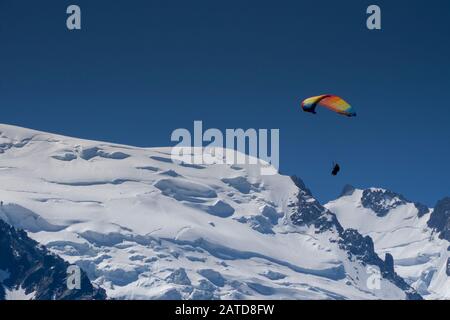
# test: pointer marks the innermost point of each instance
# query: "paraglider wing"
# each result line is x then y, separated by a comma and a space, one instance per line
310, 104
329, 101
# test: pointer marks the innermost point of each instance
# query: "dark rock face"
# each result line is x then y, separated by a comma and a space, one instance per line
440, 218
448, 267
308, 211
389, 262
359, 246
382, 201
31, 267
423, 209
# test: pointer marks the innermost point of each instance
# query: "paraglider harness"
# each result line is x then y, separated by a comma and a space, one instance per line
336, 169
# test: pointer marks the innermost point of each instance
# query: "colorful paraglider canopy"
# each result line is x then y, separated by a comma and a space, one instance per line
329, 101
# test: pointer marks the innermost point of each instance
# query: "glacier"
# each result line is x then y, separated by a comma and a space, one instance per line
144, 227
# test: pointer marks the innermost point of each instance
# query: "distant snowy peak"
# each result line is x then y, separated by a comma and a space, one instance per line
382, 201
309, 212
415, 236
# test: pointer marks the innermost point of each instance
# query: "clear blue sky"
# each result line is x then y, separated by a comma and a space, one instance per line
140, 69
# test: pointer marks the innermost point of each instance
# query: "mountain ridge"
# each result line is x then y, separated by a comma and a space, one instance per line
416, 237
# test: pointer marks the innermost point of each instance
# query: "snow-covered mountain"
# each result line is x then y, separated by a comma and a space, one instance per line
144, 227
417, 237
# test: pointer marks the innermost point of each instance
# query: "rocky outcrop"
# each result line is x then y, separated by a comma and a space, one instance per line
382, 201
440, 218
29, 268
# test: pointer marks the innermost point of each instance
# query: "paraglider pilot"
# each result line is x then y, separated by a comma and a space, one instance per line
336, 169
